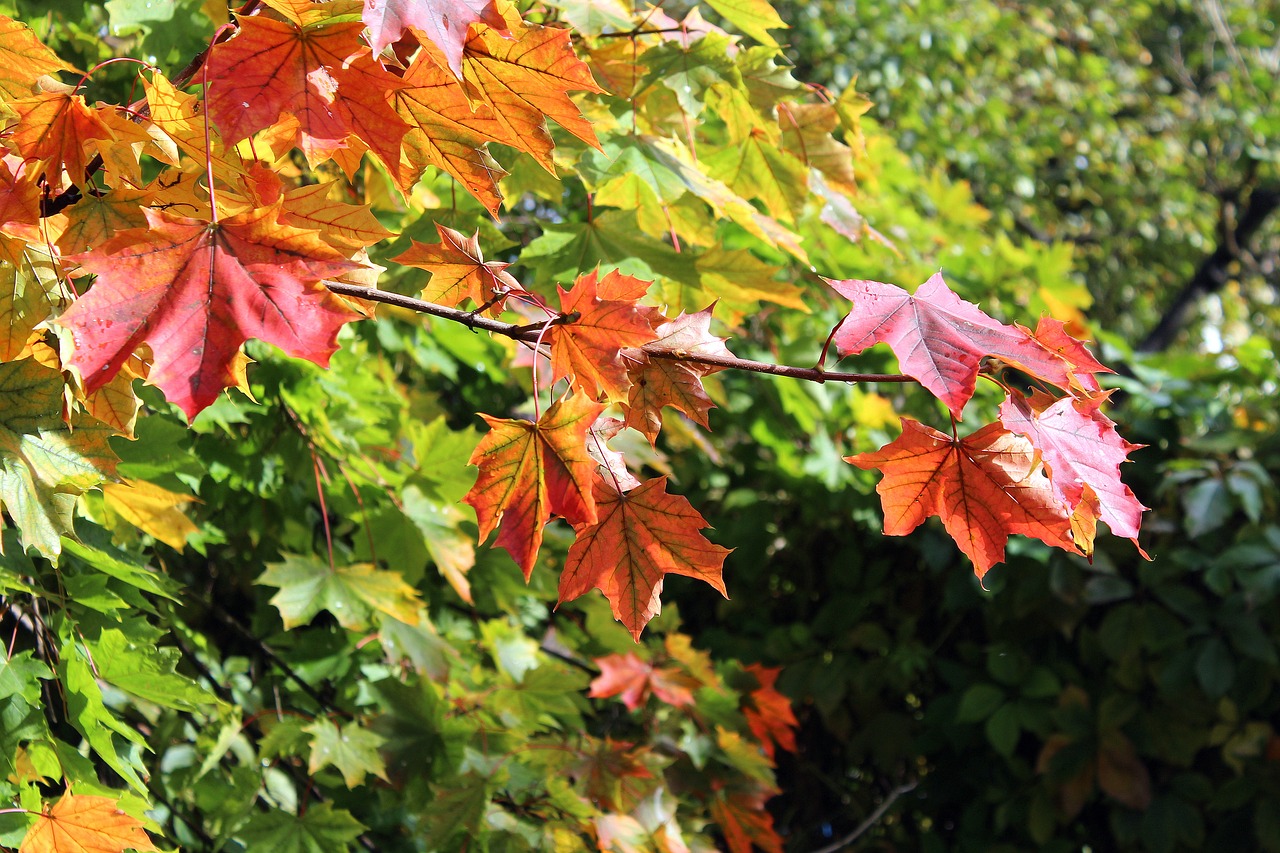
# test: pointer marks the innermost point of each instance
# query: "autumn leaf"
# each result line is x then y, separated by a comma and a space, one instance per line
744, 820
1082, 452
24, 59
984, 487
531, 471
352, 593
55, 130
86, 824
1053, 335
939, 338
152, 509
45, 462
589, 346
658, 382
753, 17
634, 680
768, 712
525, 81
641, 536
321, 74
444, 22
459, 271
195, 291
447, 130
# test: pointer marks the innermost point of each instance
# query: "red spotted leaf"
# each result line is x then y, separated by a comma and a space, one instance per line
195, 291
459, 271
639, 538
939, 338
589, 347
634, 680
1082, 452
658, 382
984, 487
531, 471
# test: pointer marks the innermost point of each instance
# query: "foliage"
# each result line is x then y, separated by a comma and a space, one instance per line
240, 632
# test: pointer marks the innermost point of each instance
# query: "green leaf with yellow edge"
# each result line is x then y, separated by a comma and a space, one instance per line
29, 294
352, 749
760, 170
351, 593
320, 829
740, 279
146, 672
45, 462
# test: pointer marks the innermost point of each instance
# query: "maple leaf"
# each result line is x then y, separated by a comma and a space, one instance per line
459, 271
85, 824
195, 291
768, 712
1053, 335
1083, 452
45, 461
984, 487
634, 680
353, 749
152, 509
603, 771
939, 338
24, 59
531, 471
525, 81
444, 22
447, 130
744, 820
320, 73
658, 382
351, 593
55, 130
321, 827
641, 536
589, 346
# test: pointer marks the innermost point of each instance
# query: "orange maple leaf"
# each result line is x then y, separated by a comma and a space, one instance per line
658, 382
84, 824
195, 291
525, 81
447, 130
531, 471
589, 346
984, 487
55, 129
322, 74
634, 680
768, 712
640, 537
24, 59
745, 821
459, 271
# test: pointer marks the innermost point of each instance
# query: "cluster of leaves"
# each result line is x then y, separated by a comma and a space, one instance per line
161, 238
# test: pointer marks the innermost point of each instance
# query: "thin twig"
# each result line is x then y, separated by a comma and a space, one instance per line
872, 819
530, 335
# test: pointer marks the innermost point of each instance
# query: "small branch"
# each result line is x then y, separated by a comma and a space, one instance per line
872, 819
529, 334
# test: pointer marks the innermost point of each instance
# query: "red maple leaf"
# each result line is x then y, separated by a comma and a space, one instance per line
1083, 452
984, 487
768, 712
639, 538
1053, 335
195, 291
531, 471
939, 338
658, 382
634, 680
589, 346
322, 74
745, 821
444, 22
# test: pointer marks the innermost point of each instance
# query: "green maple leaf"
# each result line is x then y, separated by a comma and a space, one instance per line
320, 829
352, 749
146, 672
19, 677
89, 716
351, 593
45, 462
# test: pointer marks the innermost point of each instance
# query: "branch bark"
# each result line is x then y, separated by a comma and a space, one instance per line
1213, 272
529, 335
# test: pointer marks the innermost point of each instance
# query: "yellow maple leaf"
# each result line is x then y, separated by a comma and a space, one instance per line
152, 510
86, 825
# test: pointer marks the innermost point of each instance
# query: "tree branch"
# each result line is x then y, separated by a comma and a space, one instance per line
872, 819
529, 334
1214, 272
